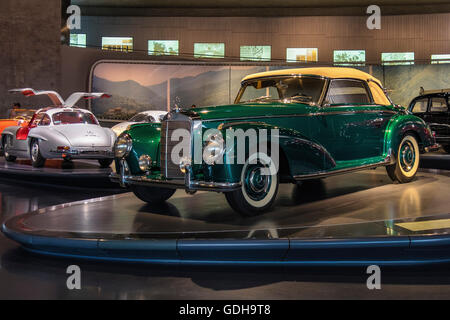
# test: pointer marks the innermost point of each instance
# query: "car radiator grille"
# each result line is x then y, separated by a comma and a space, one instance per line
168, 167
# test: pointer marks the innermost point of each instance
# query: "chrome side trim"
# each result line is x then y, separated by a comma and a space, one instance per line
325, 174
175, 184
322, 113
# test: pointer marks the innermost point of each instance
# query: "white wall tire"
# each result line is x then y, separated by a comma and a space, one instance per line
408, 160
259, 188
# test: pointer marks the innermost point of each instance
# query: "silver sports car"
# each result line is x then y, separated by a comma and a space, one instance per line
61, 131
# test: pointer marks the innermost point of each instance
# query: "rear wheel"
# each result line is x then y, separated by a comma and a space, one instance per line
37, 160
152, 194
446, 148
259, 189
105, 163
7, 143
407, 164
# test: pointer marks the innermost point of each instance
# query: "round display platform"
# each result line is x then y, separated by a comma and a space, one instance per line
359, 218
79, 173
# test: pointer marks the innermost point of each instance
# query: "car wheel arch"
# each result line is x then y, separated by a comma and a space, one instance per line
290, 144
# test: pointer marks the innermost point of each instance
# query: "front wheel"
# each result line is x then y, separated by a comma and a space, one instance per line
259, 188
152, 194
105, 163
407, 164
37, 160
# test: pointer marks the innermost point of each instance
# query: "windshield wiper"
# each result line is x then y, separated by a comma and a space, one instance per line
300, 96
260, 98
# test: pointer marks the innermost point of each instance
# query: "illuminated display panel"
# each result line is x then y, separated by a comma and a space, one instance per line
440, 58
255, 53
397, 58
78, 40
209, 50
349, 57
124, 44
302, 54
163, 47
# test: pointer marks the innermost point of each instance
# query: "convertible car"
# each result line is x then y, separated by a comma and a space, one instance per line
322, 122
60, 131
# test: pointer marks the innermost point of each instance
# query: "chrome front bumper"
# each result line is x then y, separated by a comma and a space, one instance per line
125, 179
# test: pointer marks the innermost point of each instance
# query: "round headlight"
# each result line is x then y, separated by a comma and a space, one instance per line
214, 148
213, 152
123, 146
145, 162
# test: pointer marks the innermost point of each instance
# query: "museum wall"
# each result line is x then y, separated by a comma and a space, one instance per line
422, 34
30, 48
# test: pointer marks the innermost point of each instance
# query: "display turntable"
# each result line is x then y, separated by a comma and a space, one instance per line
78, 173
361, 218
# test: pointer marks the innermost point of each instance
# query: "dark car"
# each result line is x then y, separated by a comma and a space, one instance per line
433, 107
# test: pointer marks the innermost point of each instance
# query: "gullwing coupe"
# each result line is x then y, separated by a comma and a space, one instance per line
60, 131
323, 122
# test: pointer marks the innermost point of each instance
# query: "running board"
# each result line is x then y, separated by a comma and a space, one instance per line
322, 174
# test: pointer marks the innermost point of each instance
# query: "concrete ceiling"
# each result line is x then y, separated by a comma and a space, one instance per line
256, 7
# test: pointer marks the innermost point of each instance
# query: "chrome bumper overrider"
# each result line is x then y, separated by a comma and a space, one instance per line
125, 179
432, 148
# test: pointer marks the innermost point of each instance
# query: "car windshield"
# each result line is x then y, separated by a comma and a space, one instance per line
74, 117
286, 89
17, 113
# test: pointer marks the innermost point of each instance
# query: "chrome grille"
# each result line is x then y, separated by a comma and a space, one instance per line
168, 167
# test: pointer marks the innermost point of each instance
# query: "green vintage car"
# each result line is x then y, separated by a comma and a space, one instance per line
316, 122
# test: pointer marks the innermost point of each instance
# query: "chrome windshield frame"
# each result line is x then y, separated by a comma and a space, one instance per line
321, 97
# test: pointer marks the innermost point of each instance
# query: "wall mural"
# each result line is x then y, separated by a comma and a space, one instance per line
137, 87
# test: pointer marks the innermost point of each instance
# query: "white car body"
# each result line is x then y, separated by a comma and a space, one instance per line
152, 116
58, 133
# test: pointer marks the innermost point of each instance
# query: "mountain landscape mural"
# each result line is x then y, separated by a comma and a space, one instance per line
145, 86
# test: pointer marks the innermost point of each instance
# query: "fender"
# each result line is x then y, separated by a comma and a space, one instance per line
146, 140
111, 134
302, 154
48, 140
16, 149
401, 124
10, 131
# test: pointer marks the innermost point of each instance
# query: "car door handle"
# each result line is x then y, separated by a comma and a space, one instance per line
378, 122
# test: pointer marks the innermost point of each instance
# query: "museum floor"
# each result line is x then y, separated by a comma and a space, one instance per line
30, 276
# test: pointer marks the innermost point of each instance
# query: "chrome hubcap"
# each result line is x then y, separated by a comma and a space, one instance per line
34, 151
7, 145
407, 156
256, 184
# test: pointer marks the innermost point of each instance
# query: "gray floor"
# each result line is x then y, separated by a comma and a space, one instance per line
28, 276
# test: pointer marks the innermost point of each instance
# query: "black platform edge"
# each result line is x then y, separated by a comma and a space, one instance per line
72, 179
435, 161
393, 251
